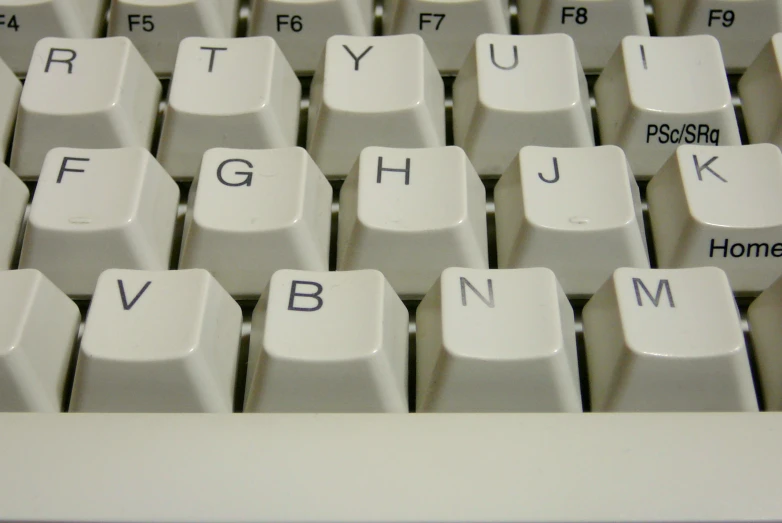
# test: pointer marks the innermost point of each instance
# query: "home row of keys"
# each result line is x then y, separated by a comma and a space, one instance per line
302, 27
486, 340
408, 213
655, 94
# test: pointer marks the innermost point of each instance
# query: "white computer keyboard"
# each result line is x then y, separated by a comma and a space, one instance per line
489, 267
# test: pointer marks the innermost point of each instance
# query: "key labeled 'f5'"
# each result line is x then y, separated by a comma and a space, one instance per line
158, 342
382, 90
410, 213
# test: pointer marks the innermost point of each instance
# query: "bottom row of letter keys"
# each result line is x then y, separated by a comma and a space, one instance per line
486, 340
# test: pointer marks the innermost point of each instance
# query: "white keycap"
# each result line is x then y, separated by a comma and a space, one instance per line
157, 26
10, 91
576, 211
158, 342
597, 26
743, 27
96, 209
13, 202
765, 327
38, 330
448, 27
410, 213
382, 91
328, 342
720, 207
237, 92
667, 340
254, 212
301, 27
760, 89
496, 341
659, 93
24, 22
95, 93
520, 90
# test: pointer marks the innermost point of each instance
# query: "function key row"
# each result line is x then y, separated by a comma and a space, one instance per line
513, 91
485, 341
301, 27
409, 213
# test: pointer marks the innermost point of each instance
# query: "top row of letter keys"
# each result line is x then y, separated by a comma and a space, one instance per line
449, 27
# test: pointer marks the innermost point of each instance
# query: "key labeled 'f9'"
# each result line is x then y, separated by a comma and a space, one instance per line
328, 342
667, 340
97, 209
410, 213
95, 93
158, 342
720, 207
383, 91
658, 93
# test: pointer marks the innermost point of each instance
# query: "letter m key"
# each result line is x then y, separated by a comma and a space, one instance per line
662, 285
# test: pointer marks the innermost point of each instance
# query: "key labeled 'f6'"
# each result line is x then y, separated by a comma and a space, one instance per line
328, 342
158, 342
411, 213
496, 341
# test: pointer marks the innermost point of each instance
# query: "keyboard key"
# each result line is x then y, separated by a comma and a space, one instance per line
328, 342
410, 213
667, 340
743, 27
301, 27
24, 22
95, 93
765, 327
596, 26
158, 342
496, 341
157, 26
253, 212
576, 211
230, 93
519, 90
448, 27
10, 91
382, 91
720, 207
659, 93
760, 89
96, 209
13, 202
37, 336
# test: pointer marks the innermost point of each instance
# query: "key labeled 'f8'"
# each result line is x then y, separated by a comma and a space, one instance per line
382, 90
720, 207
154, 341
658, 93
328, 342
496, 341
520, 90
97, 93
410, 213
667, 340
97, 209
228, 93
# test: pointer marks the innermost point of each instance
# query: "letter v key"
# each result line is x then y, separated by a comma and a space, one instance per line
125, 305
